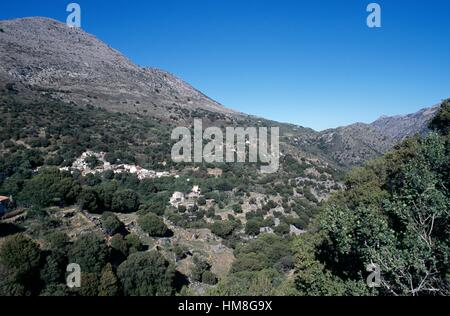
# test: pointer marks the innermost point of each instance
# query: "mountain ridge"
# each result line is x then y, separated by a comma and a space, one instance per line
77, 68
48, 54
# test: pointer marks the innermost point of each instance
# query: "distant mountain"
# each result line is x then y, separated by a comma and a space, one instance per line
400, 126
48, 57
356, 143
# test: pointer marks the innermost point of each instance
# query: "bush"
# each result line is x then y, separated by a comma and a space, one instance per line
153, 225
108, 282
92, 162
282, 229
90, 252
156, 206
252, 228
89, 200
50, 187
200, 267
237, 208
209, 278
223, 229
201, 201
146, 274
134, 243
181, 252
111, 223
20, 255
120, 247
126, 201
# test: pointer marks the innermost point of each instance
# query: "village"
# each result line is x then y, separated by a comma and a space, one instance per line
100, 165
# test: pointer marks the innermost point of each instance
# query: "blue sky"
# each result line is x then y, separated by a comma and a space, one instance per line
313, 63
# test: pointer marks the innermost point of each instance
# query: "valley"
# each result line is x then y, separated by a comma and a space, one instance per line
86, 160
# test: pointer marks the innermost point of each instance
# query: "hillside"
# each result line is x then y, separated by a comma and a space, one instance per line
75, 67
85, 163
354, 144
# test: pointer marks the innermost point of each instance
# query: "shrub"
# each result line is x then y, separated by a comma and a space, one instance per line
153, 225
120, 246
111, 223
237, 208
200, 267
282, 229
201, 201
252, 227
134, 243
209, 278
222, 229
126, 201
89, 200
146, 274
20, 255
90, 252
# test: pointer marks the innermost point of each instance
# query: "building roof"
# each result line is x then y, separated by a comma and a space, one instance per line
3, 198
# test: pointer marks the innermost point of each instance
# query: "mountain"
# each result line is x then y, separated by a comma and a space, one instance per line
46, 56
77, 67
401, 126
356, 143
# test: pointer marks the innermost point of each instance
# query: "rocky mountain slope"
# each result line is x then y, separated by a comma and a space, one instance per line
400, 126
48, 57
356, 143
77, 67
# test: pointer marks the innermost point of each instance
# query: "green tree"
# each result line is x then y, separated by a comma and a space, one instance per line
55, 290
200, 267
134, 243
209, 278
89, 200
394, 213
441, 122
153, 225
146, 274
223, 229
125, 201
50, 187
111, 223
282, 229
252, 227
119, 246
89, 284
21, 256
108, 282
90, 252
52, 272
105, 193
201, 201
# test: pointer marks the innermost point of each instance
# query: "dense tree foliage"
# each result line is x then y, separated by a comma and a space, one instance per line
153, 225
126, 201
19, 263
394, 213
146, 274
111, 223
50, 187
108, 284
440, 122
90, 252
